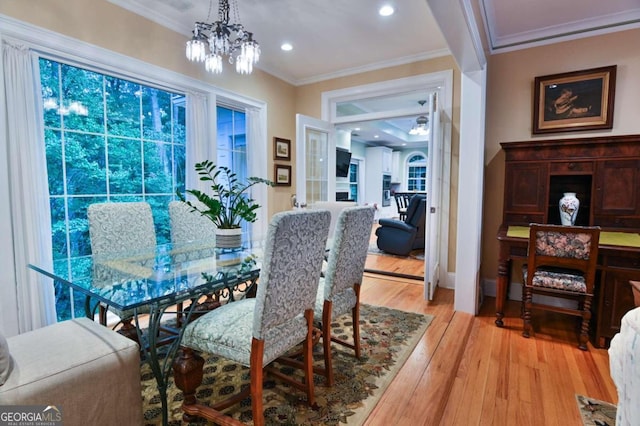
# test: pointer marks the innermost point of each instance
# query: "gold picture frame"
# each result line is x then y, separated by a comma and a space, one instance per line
281, 149
282, 175
574, 101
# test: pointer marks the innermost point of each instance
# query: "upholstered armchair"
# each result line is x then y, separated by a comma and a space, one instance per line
256, 331
87, 371
561, 263
400, 237
339, 290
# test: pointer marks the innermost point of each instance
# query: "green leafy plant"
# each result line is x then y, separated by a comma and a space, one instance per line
228, 204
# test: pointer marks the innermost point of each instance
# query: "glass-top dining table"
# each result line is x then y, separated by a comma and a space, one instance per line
151, 281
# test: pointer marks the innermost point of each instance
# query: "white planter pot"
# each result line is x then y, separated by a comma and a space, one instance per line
229, 238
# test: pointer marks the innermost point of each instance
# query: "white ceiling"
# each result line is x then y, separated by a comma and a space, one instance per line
333, 38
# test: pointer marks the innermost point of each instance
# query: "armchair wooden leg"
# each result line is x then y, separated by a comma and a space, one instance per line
187, 374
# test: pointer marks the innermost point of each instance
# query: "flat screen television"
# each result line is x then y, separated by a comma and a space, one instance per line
343, 159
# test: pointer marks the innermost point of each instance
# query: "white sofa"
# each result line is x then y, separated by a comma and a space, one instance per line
87, 371
624, 362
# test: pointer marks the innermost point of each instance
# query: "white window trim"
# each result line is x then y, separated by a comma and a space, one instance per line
440, 82
67, 49
407, 165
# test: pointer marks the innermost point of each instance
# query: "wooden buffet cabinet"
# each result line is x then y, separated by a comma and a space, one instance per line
604, 172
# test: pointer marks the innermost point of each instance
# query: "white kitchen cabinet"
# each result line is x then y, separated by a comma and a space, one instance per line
378, 178
395, 167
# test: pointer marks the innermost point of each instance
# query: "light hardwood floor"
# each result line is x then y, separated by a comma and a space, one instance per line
467, 371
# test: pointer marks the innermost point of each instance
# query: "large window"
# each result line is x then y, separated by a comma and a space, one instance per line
232, 146
417, 173
107, 139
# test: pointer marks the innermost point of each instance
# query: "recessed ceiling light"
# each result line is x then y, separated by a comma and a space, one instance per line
376, 136
357, 129
286, 47
386, 10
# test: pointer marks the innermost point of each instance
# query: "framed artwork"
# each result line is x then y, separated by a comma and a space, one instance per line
281, 149
579, 100
282, 175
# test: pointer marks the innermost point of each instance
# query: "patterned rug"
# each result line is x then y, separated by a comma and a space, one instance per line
388, 338
595, 412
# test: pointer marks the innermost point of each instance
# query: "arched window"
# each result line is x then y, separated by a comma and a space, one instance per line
417, 173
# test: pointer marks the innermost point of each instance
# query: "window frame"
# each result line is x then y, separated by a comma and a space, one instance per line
54, 46
408, 167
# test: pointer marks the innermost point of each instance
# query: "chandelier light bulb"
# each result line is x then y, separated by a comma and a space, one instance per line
213, 64
196, 50
223, 38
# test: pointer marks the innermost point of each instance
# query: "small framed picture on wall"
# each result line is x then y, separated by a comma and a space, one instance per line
281, 149
282, 175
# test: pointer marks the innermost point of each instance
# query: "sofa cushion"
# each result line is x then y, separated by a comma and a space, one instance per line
5, 360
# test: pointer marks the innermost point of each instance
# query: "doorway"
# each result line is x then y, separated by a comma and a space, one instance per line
386, 104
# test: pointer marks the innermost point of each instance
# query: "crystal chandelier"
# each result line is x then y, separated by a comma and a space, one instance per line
213, 41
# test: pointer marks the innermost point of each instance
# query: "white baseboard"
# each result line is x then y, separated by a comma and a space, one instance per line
450, 281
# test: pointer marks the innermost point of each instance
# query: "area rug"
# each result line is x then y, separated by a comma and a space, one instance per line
388, 338
414, 254
595, 412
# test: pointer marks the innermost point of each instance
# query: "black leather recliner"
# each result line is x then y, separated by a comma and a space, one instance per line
400, 237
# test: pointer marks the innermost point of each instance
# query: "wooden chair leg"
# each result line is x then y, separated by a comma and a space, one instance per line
326, 342
355, 314
528, 299
129, 330
102, 315
187, 374
586, 317
308, 358
257, 352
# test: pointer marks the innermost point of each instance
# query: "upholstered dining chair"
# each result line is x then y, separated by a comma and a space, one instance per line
256, 331
188, 226
339, 289
121, 228
561, 263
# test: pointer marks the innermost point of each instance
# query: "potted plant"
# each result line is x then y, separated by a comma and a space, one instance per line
228, 204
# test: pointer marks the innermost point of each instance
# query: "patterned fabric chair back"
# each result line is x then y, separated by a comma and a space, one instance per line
120, 227
288, 282
574, 248
564, 243
187, 225
349, 251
